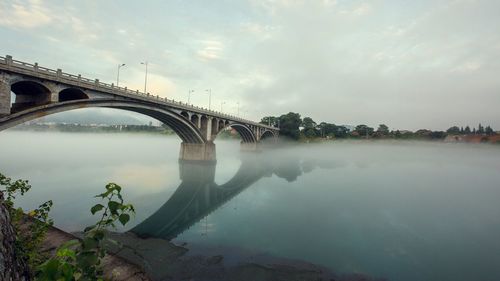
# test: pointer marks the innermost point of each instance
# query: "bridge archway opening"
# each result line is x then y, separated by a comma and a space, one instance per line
204, 123
29, 94
195, 120
247, 136
221, 125
185, 115
72, 94
267, 135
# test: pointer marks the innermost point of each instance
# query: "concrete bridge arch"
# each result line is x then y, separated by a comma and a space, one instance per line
184, 129
41, 91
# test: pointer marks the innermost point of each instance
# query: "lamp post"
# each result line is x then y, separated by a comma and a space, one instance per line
189, 96
221, 103
146, 77
238, 103
118, 74
209, 91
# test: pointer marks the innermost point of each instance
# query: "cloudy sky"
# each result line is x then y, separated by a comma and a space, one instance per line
408, 64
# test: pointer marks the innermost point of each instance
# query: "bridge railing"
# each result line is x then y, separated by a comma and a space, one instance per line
58, 75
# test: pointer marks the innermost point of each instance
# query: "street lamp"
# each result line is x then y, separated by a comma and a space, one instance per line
209, 91
189, 96
221, 103
146, 77
118, 74
238, 103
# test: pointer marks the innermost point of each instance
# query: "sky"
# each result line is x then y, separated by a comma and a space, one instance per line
407, 64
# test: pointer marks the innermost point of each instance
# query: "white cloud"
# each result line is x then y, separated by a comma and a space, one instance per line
470, 66
24, 14
210, 50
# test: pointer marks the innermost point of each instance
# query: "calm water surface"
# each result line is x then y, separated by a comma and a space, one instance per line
401, 211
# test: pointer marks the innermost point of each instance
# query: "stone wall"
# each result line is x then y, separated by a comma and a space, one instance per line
4, 95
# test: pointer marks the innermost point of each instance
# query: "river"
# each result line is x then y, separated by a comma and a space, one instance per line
394, 210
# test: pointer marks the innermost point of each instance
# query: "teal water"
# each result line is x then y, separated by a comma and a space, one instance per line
398, 210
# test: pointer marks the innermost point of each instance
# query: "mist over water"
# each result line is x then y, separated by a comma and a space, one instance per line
395, 210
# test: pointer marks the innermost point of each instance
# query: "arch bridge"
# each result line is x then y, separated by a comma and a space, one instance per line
40, 91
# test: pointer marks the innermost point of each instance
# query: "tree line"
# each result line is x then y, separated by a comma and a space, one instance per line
455, 130
293, 126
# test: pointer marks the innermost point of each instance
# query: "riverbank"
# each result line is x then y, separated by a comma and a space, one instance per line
160, 260
115, 267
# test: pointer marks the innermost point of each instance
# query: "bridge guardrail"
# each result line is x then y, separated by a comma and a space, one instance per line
124, 91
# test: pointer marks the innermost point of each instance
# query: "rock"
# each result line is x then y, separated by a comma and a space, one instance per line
11, 266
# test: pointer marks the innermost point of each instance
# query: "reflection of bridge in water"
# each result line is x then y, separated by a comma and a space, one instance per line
198, 195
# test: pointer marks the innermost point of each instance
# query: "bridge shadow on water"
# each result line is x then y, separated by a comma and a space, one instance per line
198, 195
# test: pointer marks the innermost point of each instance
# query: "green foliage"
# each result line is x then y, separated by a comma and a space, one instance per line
453, 130
13, 189
81, 259
31, 230
383, 129
480, 129
309, 130
364, 130
270, 121
467, 130
438, 135
327, 129
289, 125
489, 131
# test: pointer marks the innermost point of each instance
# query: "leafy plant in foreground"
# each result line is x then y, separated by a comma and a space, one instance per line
31, 229
81, 259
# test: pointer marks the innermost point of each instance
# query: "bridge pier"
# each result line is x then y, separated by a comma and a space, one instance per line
198, 152
4, 96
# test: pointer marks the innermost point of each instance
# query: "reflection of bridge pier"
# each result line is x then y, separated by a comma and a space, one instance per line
198, 195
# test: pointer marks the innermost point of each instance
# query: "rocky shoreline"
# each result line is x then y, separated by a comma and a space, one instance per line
152, 259
163, 260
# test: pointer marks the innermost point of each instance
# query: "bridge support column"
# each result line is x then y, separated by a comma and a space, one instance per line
249, 147
198, 152
4, 96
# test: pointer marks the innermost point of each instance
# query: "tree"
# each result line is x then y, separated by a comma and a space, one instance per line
397, 134
489, 131
438, 135
270, 121
453, 130
309, 125
341, 132
327, 129
467, 130
480, 129
364, 130
383, 129
289, 125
